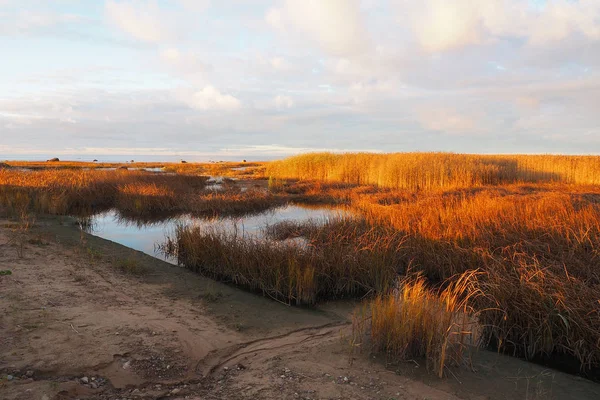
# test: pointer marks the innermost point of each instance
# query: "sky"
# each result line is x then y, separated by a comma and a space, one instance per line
262, 79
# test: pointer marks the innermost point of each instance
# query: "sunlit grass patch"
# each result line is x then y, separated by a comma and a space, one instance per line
418, 322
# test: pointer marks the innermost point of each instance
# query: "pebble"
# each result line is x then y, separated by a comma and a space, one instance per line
9, 377
85, 379
94, 385
175, 391
127, 365
29, 373
225, 368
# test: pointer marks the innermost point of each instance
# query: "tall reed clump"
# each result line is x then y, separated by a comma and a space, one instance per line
436, 170
419, 322
341, 259
540, 313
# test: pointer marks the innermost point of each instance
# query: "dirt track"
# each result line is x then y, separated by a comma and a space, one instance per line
69, 315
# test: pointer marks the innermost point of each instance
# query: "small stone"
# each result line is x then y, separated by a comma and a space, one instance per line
10, 377
94, 385
175, 391
45, 397
225, 368
93, 378
283, 376
85, 379
135, 391
29, 373
127, 365
345, 379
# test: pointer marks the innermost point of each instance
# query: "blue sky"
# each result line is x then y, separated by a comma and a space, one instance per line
261, 79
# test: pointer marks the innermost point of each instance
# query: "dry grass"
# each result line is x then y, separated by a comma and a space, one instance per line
417, 322
529, 224
341, 259
425, 171
537, 245
245, 170
136, 194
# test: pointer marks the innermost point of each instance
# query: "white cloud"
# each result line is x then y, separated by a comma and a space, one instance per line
187, 62
441, 25
210, 98
337, 26
194, 5
280, 63
282, 102
446, 120
143, 20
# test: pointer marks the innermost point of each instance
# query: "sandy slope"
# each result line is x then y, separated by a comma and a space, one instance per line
67, 313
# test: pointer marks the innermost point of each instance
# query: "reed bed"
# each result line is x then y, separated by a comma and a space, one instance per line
245, 170
340, 259
541, 313
134, 193
419, 322
425, 171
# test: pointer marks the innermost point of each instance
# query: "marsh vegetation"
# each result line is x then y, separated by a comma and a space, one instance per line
450, 251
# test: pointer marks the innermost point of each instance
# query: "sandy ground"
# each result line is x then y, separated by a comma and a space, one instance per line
74, 325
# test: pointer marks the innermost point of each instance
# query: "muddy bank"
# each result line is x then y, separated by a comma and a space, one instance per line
83, 317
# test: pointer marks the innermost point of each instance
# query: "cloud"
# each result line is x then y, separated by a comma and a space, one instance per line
336, 26
186, 62
40, 20
143, 20
282, 102
446, 120
280, 63
415, 75
440, 25
194, 5
210, 98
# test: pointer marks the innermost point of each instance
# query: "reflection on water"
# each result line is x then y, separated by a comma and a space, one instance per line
144, 236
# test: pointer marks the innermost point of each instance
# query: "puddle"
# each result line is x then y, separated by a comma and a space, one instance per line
216, 183
153, 169
145, 236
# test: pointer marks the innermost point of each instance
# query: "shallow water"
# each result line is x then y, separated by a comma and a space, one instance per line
145, 236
